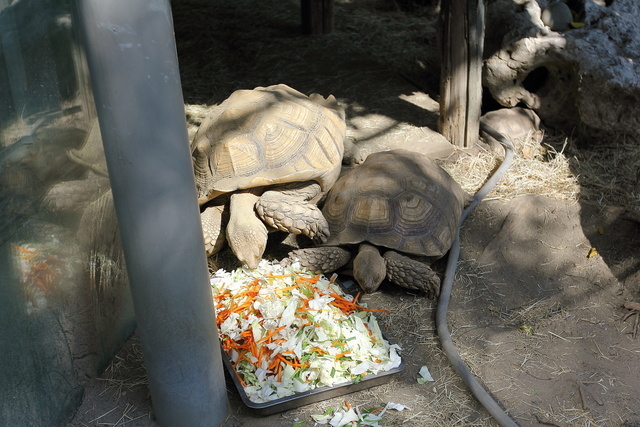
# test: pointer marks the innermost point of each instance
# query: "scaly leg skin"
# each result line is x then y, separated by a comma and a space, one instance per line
412, 274
246, 233
323, 260
369, 268
213, 228
288, 209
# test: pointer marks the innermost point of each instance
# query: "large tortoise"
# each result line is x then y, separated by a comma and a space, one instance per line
265, 155
398, 200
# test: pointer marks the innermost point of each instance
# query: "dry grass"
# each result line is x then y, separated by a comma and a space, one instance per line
534, 170
118, 377
125, 377
603, 174
609, 174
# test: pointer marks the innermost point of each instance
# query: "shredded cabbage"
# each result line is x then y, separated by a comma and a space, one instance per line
287, 331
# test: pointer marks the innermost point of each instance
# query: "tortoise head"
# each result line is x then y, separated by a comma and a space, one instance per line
369, 268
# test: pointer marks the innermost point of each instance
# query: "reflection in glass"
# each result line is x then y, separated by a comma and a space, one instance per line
65, 306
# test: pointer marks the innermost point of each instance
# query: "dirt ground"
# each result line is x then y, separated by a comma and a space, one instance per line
536, 312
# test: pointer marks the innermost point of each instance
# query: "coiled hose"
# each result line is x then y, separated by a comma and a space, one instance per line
445, 292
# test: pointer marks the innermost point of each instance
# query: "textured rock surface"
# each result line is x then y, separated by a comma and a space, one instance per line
584, 79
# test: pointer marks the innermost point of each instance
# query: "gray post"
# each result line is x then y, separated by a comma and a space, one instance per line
136, 83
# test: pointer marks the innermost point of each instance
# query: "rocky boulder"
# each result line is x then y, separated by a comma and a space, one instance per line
584, 77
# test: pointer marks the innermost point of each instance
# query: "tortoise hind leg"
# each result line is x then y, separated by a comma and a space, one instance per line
412, 274
292, 208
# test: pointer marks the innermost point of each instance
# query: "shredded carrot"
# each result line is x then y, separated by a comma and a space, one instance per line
275, 366
227, 344
278, 276
25, 250
304, 306
251, 292
350, 306
222, 316
244, 384
290, 362
317, 349
314, 279
271, 334
241, 307
243, 357
271, 365
371, 334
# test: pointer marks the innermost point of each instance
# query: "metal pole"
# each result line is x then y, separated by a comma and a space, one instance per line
133, 64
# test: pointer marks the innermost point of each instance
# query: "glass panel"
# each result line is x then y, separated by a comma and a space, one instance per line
65, 306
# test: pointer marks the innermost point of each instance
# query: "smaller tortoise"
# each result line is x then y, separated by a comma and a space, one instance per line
266, 155
517, 123
398, 200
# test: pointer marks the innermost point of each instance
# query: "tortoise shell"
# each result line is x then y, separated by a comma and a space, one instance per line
397, 199
517, 123
266, 136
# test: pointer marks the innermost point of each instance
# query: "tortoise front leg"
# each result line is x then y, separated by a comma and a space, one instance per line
323, 260
353, 155
412, 274
213, 220
290, 208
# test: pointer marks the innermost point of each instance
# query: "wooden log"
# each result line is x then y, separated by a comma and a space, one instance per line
461, 47
317, 16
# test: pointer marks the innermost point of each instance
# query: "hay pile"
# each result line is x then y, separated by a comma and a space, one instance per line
557, 168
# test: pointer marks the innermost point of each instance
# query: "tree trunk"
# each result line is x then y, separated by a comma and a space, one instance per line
461, 42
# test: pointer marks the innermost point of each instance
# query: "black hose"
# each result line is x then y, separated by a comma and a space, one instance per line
445, 292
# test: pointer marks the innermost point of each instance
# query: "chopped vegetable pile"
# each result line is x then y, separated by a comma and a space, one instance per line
348, 415
287, 331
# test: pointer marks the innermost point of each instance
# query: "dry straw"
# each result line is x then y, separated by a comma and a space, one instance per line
557, 169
